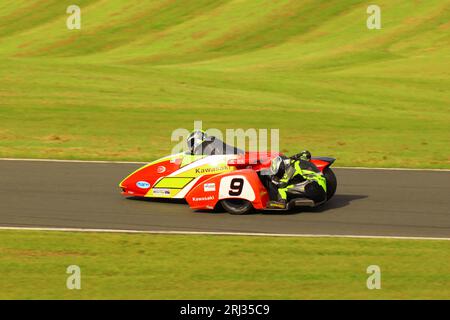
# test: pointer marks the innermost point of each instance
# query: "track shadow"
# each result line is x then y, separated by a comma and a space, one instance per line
158, 200
338, 201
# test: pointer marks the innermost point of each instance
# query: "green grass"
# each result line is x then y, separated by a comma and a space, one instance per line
137, 70
122, 266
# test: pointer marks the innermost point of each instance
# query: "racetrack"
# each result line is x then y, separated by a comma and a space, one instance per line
86, 195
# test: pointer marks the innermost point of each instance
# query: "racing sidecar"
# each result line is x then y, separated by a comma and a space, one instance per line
230, 178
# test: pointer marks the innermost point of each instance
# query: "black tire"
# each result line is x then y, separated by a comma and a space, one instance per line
237, 206
331, 182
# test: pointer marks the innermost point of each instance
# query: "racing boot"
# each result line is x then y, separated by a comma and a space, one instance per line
280, 204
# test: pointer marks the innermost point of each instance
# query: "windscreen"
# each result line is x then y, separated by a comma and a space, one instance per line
214, 146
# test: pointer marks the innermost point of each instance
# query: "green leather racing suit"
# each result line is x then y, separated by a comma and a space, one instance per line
307, 175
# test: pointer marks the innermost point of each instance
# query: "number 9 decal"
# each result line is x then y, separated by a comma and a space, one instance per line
236, 186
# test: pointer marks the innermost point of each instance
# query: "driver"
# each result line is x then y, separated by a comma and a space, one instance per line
199, 143
195, 139
287, 172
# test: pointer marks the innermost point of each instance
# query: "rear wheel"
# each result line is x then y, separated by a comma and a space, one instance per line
237, 206
331, 182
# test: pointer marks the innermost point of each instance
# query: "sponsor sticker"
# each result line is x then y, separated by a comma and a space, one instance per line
161, 192
211, 170
161, 169
209, 187
203, 198
143, 184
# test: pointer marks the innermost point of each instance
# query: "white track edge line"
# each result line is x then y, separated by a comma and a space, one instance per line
393, 169
219, 233
72, 161
142, 163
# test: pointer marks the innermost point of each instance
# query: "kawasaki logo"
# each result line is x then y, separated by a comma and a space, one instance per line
203, 198
211, 170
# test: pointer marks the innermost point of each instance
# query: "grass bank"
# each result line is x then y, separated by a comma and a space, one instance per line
123, 266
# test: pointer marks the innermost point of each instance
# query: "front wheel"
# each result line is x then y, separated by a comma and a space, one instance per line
331, 182
237, 206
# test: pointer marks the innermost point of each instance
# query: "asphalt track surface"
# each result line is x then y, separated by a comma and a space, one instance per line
86, 195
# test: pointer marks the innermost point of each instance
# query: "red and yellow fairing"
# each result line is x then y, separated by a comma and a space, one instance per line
202, 196
173, 176
149, 173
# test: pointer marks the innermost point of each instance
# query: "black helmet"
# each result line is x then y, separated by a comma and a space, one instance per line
304, 155
195, 139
